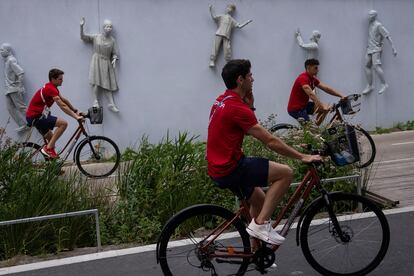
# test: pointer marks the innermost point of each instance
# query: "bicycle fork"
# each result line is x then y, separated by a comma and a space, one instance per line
336, 230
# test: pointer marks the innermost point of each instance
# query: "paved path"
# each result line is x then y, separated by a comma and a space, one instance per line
290, 260
392, 174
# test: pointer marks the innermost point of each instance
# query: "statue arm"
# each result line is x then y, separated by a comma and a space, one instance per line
115, 54
299, 37
212, 12
83, 36
244, 24
394, 51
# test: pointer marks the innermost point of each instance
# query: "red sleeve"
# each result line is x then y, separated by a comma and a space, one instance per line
245, 118
303, 80
317, 82
50, 92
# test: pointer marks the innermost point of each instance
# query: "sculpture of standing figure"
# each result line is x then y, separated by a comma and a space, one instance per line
225, 24
311, 47
376, 35
14, 89
102, 67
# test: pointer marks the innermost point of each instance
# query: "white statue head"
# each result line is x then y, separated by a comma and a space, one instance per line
5, 49
107, 26
316, 35
372, 15
230, 8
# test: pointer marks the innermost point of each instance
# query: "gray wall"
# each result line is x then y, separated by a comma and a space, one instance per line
164, 79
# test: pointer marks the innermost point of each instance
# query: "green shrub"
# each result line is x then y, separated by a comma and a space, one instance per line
28, 191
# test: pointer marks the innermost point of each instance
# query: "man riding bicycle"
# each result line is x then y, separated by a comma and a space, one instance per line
231, 118
38, 114
299, 106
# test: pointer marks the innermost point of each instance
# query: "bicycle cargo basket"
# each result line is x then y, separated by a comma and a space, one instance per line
350, 105
95, 115
346, 107
342, 144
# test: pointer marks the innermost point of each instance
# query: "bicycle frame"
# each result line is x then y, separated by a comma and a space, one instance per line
297, 200
72, 141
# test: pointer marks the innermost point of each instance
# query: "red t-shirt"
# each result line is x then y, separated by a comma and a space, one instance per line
298, 98
229, 122
37, 105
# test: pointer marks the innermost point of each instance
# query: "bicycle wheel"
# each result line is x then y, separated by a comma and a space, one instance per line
283, 131
180, 248
97, 156
360, 220
29, 151
366, 147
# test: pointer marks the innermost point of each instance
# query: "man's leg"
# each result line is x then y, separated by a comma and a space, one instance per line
280, 177
256, 201
61, 126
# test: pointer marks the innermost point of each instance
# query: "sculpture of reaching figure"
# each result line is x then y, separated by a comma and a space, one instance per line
14, 89
225, 24
376, 35
102, 67
312, 47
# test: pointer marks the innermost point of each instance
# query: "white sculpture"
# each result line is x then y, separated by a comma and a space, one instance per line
311, 47
225, 24
103, 63
14, 89
376, 35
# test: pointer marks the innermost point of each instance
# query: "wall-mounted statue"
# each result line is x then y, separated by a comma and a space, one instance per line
14, 89
376, 35
312, 46
102, 67
225, 24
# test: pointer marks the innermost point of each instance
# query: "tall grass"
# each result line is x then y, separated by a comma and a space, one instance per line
29, 191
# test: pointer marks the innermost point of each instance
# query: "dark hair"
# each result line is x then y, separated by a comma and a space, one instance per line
233, 69
311, 61
55, 73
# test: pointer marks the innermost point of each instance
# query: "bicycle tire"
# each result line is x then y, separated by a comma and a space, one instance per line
324, 250
105, 153
283, 130
29, 150
366, 147
187, 259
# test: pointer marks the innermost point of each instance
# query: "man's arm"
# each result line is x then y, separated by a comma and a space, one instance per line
66, 107
330, 90
277, 145
308, 90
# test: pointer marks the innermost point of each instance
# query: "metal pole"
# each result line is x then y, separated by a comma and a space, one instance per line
98, 231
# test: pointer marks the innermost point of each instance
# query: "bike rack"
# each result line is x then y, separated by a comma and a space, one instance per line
62, 215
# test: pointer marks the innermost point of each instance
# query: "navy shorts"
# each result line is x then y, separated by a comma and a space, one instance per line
42, 125
303, 113
250, 172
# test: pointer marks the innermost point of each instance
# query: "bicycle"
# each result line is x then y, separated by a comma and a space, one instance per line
366, 144
339, 233
88, 152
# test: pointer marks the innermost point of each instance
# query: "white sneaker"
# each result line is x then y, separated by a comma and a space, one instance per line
264, 232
